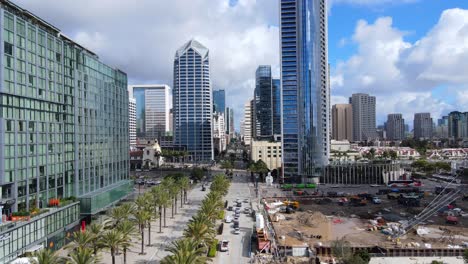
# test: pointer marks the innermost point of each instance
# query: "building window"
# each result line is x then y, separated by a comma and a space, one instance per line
8, 48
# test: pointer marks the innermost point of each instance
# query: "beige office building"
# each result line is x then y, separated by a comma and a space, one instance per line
267, 151
342, 122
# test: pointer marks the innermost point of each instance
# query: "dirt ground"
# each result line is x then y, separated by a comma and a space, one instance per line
390, 210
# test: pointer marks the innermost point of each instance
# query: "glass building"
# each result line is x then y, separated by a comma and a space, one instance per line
305, 89
192, 101
263, 99
63, 125
219, 101
153, 104
276, 106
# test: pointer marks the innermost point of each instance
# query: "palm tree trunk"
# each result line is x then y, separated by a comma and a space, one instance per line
181, 198
125, 255
142, 242
149, 234
175, 204
172, 209
165, 216
185, 196
160, 219
113, 256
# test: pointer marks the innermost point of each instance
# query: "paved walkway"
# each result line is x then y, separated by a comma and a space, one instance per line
160, 241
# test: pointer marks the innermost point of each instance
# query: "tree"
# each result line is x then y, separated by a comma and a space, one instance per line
341, 249
96, 229
128, 230
227, 165
112, 239
146, 203
81, 239
161, 199
185, 250
200, 228
120, 213
142, 218
465, 255
183, 183
82, 256
197, 174
46, 256
393, 155
372, 153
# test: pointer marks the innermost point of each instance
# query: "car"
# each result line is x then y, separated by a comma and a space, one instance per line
238, 200
203, 189
246, 200
228, 219
236, 217
229, 208
246, 210
376, 200
236, 224
236, 230
239, 204
224, 245
237, 211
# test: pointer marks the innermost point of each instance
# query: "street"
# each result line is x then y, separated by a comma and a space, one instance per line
239, 244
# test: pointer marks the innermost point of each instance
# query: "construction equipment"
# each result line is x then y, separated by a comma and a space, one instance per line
292, 204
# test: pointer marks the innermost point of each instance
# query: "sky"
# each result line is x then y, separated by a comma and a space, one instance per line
411, 54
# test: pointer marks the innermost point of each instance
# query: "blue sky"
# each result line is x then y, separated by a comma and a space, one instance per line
411, 54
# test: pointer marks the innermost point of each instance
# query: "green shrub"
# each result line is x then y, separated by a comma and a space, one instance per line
213, 248
221, 215
20, 213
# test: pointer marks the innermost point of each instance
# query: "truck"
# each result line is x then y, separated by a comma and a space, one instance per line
393, 196
453, 220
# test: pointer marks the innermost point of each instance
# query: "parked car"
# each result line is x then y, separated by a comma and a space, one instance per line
229, 208
236, 230
236, 224
224, 246
239, 204
376, 200
203, 188
246, 200
246, 210
228, 219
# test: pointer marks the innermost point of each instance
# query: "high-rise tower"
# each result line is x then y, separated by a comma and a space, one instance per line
192, 101
305, 91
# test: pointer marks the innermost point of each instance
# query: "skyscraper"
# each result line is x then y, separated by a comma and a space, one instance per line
305, 91
363, 117
219, 101
263, 97
229, 118
132, 120
395, 127
63, 132
153, 104
193, 105
248, 116
458, 125
276, 106
342, 122
422, 126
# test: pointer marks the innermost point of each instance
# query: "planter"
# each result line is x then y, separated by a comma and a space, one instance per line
20, 218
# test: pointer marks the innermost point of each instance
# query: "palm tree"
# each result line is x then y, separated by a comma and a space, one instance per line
172, 188
81, 240
185, 251
146, 203
128, 230
184, 184
161, 200
121, 213
200, 228
112, 239
142, 217
82, 256
46, 256
95, 230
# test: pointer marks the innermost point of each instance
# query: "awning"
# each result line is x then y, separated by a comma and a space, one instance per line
35, 248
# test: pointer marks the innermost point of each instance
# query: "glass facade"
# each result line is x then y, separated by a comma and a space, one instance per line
304, 89
263, 102
46, 230
192, 101
63, 118
276, 106
219, 101
152, 110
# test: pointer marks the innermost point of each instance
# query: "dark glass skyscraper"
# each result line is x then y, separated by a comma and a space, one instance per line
263, 102
219, 101
192, 102
305, 90
276, 106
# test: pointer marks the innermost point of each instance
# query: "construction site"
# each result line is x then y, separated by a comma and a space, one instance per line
407, 222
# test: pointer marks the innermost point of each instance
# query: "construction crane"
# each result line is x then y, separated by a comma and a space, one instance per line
441, 200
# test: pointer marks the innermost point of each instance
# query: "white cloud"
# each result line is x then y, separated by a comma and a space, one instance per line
372, 2
141, 37
403, 75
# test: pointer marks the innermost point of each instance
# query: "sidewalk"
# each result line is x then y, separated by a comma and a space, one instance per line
160, 241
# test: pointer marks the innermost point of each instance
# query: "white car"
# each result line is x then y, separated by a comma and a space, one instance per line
228, 219
236, 230
224, 245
